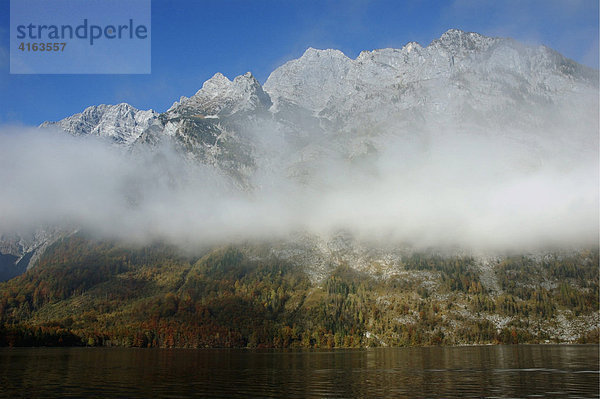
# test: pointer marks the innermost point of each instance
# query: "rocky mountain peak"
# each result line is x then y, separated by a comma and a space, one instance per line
220, 96
326, 53
247, 83
121, 123
437, 80
218, 83
310, 80
457, 40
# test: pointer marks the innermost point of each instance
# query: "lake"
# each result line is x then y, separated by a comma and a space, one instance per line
524, 371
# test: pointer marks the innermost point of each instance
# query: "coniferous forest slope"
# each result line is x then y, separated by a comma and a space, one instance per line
86, 292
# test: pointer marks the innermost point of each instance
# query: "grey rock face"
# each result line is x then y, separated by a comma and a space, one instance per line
460, 77
221, 97
120, 123
20, 252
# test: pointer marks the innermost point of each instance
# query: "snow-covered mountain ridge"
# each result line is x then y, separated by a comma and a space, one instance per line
458, 73
461, 75
120, 123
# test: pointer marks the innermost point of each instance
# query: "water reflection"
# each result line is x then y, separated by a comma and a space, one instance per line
486, 371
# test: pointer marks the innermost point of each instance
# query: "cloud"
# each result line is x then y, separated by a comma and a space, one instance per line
489, 191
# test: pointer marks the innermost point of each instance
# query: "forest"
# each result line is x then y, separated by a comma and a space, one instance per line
85, 292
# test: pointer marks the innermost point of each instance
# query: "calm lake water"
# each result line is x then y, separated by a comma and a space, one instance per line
524, 371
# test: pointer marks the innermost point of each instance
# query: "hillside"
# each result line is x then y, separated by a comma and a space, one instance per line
86, 292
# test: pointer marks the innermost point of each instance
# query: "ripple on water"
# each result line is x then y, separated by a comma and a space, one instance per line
474, 372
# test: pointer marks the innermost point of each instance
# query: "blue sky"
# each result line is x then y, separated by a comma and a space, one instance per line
192, 40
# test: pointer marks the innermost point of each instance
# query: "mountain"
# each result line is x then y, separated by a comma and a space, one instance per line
121, 123
461, 79
19, 252
326, 106
333, 126
464, 77
208, 126
221, 97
